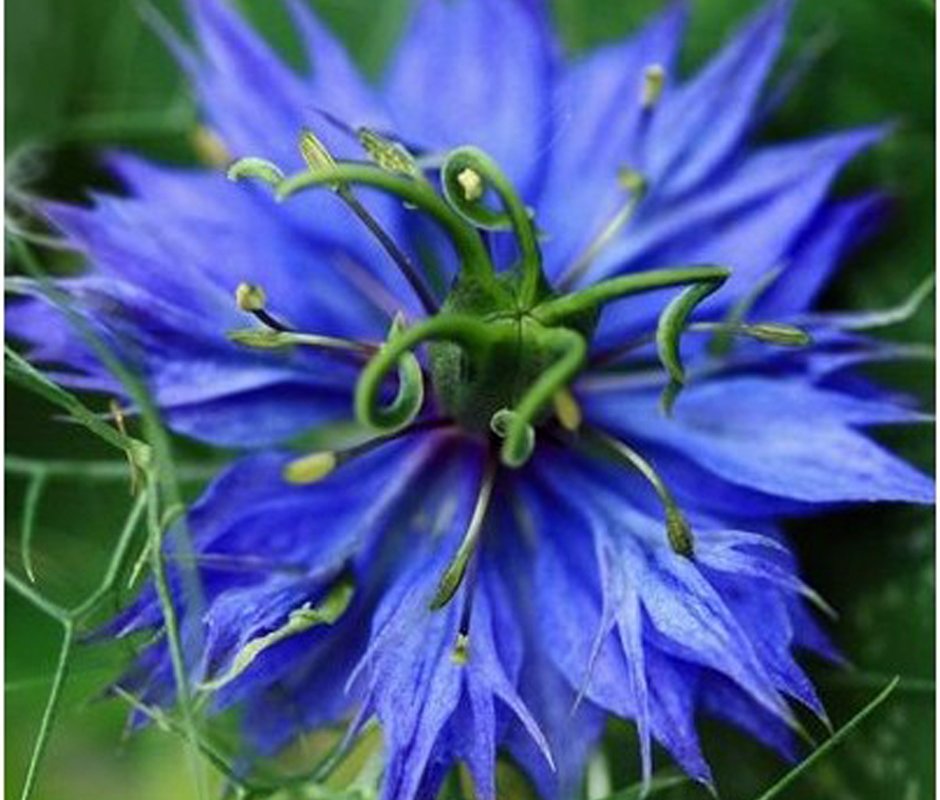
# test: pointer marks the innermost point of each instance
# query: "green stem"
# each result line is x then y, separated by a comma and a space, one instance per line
50, 710
117, 559
156, 460
516, 214
467, 242
464, 330
837, 738
94, 470
43, 604
556, 311
171, 624
517, 446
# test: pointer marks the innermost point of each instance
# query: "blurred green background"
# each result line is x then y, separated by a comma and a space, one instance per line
86, 74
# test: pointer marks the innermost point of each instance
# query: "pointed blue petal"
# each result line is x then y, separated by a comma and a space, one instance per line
689, 140
474, 72
783, 437
598, 113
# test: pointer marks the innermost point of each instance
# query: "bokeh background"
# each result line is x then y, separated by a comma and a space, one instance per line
83, 75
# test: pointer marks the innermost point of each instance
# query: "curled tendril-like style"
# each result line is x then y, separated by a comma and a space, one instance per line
702, 281
460, 329
467, 200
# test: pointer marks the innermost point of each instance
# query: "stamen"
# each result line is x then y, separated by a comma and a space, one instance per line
654, 81
265, 339
252, 298
567, 410
776, 333
277, 335
635, 184
249, 297
721, 343
471, 183
388, 154
461, 654
209, 147
678, 531
318, 158
310, 469
314, 467
453, 576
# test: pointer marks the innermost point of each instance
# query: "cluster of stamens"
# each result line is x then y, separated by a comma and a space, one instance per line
504, 346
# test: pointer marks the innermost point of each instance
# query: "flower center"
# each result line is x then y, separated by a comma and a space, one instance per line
504, 346
476, 381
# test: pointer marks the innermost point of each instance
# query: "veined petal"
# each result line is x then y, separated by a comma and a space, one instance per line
436, 708
836, 230
689, 140
750, 221
599, 127
206, 386
782, 437
474, 71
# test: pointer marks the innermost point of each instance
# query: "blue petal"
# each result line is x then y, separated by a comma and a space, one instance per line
783, 437
726, 613
749, 221
689, 140
206, 386
257, 105
474, 72
723, 700
310, 695
263, 548
433, 709
597, 102
336, 84
255, 101
310, 255
838, 229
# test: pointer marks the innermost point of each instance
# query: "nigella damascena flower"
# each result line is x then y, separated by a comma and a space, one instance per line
488, 260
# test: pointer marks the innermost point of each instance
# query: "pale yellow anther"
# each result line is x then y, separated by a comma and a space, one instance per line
314, 152
310, 469
471, 183
209, 147
567, 410
461, 651
654, 79
250, 297
631, 180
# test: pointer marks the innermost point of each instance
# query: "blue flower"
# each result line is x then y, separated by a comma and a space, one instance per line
484, 591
